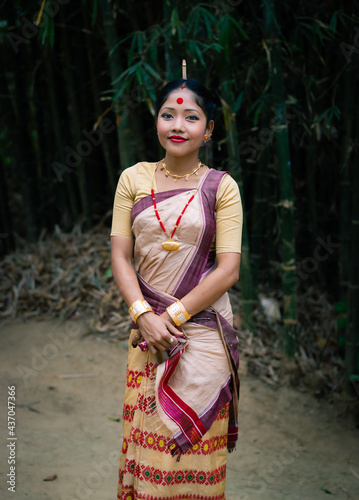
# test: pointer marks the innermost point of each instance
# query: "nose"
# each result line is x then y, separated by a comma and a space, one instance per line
178, 124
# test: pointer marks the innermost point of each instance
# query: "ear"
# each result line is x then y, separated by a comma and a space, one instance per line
210, 127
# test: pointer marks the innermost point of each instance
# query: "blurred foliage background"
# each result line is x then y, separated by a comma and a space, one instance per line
78, 81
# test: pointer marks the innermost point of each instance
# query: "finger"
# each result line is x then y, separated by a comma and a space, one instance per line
155, 348
160, 346
152, 349
172, 341
172, 329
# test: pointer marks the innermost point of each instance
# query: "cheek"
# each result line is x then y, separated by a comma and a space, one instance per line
200, 132
160, 128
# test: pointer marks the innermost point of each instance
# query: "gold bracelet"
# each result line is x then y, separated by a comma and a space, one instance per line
139, 307
178, 313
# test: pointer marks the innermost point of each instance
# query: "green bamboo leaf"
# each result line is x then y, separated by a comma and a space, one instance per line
155, 34
224, 38
148, 84
238, 103
121, 90
153, 53
333, 21
337, 112
215, 46
209, 21
175, 21
134, 68
199, 53
52, 32
306, 25
132, 50
120, 42
323, 26
181, 33
141, 41
94, 12
239, 27
226, 117
196, 19
151, 71
257, 113
139, 76
329, 113
47, 33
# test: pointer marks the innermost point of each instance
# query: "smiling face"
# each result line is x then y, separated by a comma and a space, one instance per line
182, 123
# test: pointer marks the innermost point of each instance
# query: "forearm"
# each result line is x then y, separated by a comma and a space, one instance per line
156, 331
213, 286
126, 279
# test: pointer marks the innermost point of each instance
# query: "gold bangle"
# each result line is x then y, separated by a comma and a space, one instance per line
139, 307
178, 313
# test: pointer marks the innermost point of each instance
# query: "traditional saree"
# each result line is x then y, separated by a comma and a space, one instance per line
180, 413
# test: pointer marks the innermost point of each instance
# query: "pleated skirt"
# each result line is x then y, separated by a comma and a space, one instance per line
147, 470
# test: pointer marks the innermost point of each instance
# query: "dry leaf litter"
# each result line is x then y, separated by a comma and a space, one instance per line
69, 276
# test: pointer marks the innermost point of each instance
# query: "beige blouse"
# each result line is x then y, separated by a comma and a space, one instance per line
137, 181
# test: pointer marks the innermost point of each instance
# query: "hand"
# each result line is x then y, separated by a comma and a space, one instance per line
158, 331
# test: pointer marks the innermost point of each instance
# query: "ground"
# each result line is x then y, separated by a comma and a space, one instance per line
291, 445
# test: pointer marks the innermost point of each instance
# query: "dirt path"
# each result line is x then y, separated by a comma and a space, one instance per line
290, 446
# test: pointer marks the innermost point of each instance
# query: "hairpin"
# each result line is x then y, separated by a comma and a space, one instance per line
184, 69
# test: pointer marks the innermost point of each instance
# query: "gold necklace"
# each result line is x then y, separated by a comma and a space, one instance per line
184, 176
170, 245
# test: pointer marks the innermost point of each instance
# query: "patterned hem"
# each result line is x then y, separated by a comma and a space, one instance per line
133, 495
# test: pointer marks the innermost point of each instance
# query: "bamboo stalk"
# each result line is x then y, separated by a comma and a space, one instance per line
285, 179
352, 330
79, 172
58, 136
124, 133
171, 62
110, 168
245, 281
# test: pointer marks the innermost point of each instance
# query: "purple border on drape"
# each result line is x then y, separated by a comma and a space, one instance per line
147, 201
207, 317
195, 268
209, 415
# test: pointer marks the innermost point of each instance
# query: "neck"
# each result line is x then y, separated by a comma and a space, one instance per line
181, 164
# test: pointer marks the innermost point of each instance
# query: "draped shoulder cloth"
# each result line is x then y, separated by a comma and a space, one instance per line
197, 381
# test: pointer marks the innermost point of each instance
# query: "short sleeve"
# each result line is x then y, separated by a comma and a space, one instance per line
122, 206
229, 217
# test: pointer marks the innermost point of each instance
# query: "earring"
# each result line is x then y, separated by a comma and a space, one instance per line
206, 138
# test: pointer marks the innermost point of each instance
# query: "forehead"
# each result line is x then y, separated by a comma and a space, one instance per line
189, 98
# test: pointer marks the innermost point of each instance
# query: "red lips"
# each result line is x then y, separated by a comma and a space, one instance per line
177, 138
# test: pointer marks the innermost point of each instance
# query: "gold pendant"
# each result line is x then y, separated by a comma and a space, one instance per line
170, 245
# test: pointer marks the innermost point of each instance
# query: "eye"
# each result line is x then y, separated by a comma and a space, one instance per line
166, 116
192, 117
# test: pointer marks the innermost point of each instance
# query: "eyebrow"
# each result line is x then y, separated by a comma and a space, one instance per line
188, 109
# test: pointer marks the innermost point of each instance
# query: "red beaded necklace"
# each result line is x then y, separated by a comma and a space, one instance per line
170, 245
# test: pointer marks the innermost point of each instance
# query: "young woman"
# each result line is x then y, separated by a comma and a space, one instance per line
176, 242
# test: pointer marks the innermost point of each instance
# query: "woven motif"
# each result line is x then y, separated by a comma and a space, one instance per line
144, 448
167, 478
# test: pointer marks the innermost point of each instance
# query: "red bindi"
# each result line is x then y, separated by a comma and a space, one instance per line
180, 100
182, 88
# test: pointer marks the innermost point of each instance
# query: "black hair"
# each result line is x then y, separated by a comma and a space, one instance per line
203, 97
